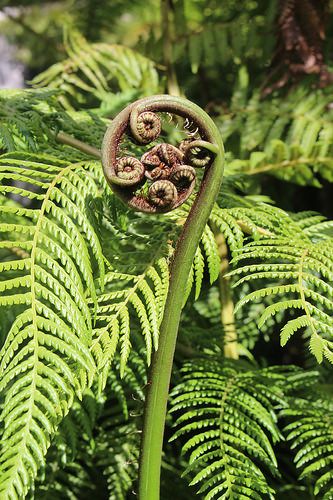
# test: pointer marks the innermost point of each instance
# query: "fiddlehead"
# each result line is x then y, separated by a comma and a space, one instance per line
168, 178
195, 152
163, 177
147, 127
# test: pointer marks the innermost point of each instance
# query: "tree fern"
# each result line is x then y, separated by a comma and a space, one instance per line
83, 279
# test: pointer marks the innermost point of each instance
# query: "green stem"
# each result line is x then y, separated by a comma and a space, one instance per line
172, 83
158, 385
75, 143
227, 304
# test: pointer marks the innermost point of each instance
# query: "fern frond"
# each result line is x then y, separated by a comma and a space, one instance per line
314, 225
292, 163
32, 118
298, 272
226, 414
21, 118
289, 136
46, 359
92, 68
145, 294
309, 431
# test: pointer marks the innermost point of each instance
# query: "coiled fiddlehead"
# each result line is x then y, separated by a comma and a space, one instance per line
164, 177
168, 179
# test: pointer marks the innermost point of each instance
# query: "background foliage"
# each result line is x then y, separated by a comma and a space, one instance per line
83, 280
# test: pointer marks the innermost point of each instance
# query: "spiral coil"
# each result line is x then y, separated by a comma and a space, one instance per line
164, 177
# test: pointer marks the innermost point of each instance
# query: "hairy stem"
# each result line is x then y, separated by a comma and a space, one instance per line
227, 304
159, 380
75, 143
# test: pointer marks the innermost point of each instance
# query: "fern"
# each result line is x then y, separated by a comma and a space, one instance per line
213, 38
96, 446
287, 137
83, 280
91, 70
62, 320
290, 162
46, 358
298, 272
31, 120
145, 294
227, 416
309, 431
116, 443
22, 123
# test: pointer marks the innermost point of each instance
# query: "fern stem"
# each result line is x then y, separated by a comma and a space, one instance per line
75, 143
172, 83
159, 380
227, 304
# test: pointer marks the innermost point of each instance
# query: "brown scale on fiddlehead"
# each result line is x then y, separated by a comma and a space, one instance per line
164, 177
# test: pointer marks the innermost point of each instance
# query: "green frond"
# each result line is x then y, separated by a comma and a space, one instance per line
21, 118
189, 285
211, 252
198, 266
287, 136
314, 225
91, 69
297, 274
46, 359
32, 119
70, 482
290, 163
145, 294
226, 414
309, 431
98, 440
218, 38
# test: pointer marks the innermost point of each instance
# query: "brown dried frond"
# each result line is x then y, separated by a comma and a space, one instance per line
300, 35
